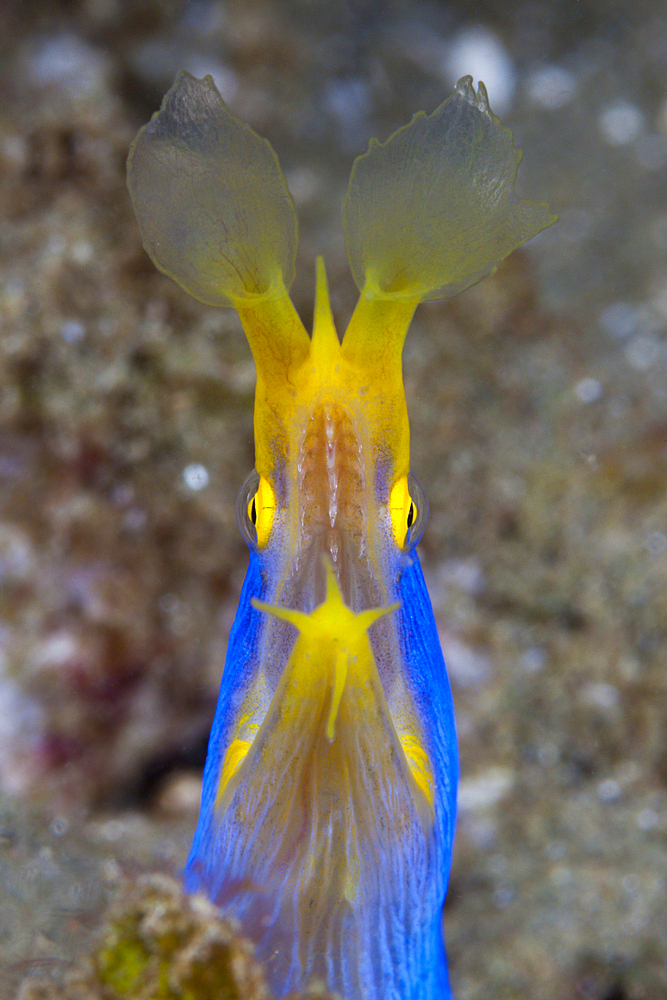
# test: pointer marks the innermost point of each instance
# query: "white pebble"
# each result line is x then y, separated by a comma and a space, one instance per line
485, 789
68, 62
72, 331
621, 123
56, 651
59, 826
195, 476
465, 574
467, 667
112, 830
588, 390
551, 87
605, 696
180, 795
609, 790
82, 252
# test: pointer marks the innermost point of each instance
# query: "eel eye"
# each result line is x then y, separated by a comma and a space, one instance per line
408, 509
255, 510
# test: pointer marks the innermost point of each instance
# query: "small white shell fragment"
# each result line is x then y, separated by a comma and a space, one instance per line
195, 476
486, 789
621, 123
551, 87
588, 390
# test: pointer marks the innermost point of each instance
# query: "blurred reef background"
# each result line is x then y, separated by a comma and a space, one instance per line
538, 403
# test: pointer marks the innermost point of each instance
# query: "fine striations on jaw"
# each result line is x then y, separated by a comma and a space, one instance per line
332, 500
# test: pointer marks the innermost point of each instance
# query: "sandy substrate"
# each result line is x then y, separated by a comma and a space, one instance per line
538, 403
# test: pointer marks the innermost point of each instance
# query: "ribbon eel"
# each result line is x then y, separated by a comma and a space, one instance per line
329, 793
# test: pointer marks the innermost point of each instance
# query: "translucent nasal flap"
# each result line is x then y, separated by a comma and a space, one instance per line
433, 209
212, 203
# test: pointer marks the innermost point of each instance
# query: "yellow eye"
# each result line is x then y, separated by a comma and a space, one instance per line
408, 510
255, 510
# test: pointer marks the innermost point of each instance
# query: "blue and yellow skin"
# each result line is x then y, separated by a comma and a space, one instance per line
329, 795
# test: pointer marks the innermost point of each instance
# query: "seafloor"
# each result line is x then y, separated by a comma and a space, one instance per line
538, 403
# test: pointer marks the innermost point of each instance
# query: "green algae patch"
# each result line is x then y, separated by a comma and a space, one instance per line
161, 944
158, 943
124, 966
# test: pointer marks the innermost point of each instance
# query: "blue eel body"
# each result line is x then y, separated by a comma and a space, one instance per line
329, 795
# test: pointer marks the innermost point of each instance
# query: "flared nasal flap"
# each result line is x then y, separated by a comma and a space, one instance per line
433, 209
211, 200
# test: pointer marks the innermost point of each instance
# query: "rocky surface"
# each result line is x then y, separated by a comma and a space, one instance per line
538, 403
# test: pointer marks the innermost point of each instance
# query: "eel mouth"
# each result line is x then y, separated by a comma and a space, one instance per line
333, 500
